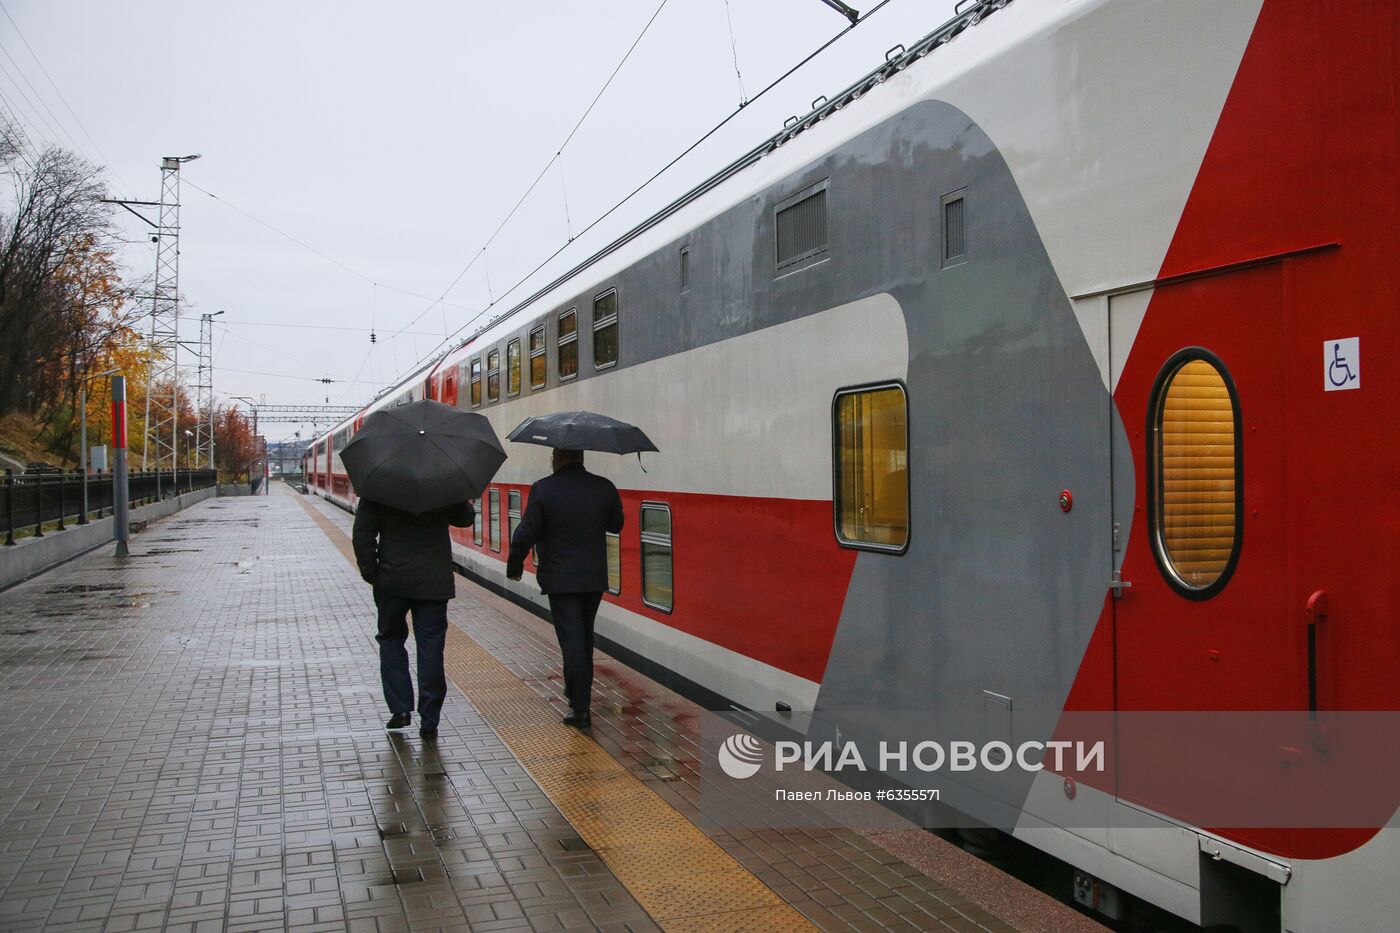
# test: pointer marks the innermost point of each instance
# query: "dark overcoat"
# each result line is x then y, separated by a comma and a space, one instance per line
404, 554
567, 515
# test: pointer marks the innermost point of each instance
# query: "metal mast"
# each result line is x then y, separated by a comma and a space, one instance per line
204, 395
163, 388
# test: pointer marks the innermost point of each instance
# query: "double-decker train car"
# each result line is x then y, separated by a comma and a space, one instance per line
1028, 367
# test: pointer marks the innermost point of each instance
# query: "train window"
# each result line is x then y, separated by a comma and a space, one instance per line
568, 344
476, 382
871, 458
801, 228
476, 523
493, 375
494, 517
513, 368
605, 330
953, 233
614, 563
512, 513
1195, 473
657, 570
449, 388
685, 268
537, 360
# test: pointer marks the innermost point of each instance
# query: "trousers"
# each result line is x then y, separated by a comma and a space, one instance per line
430, 632
573, 624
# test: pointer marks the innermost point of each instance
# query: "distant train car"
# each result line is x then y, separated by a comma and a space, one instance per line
1054, 361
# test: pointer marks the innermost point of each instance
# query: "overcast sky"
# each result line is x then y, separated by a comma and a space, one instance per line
394, 139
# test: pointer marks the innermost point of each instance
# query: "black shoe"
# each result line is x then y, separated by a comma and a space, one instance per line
583, 720
399, 721
428, 734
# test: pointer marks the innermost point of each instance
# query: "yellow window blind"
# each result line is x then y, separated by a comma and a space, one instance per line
1196, 451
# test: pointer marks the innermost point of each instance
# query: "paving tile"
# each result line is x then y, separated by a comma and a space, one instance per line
213, 701
215, 707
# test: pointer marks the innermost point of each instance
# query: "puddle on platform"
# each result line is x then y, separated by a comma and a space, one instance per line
377, 881
194, 522
86, 588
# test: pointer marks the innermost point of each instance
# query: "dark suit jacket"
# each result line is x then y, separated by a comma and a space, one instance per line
404, 554
567, 515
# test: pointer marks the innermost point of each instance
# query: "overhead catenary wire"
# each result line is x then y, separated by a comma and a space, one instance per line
564, 189
36, 115
257, 372
368, 279
273, 350
341, 327
659, 172
58, 133
356, 379
59, 91
734, 48
15, 134
544, 170
24, 120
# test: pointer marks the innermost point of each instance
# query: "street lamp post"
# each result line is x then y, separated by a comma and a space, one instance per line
189, 469
83, 452
256, 445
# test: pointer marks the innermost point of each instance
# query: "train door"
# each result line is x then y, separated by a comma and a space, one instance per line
1201, 618
449, 387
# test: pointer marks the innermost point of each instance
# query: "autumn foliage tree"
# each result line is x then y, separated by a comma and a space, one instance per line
235, 447
67, 314
65, 311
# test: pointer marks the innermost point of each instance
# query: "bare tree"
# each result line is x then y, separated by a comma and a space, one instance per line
52, 254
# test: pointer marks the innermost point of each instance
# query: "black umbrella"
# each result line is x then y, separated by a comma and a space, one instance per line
423, 456
582, 430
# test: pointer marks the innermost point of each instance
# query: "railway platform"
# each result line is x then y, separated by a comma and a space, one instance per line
192, 740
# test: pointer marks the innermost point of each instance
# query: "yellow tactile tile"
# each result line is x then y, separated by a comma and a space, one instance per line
762, 920
692, 894
653, 849
677, 873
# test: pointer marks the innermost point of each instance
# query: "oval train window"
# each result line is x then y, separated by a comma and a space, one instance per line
1196, 483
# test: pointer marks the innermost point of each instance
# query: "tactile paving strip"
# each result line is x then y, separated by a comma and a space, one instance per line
673, 869
677, 873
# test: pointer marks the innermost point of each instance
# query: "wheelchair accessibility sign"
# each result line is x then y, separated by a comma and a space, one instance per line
1341, 364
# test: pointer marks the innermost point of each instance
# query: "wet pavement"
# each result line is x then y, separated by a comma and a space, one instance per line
837, 878
193, 739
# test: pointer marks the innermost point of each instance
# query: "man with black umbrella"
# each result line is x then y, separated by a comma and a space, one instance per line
567, 516
407, 558
412, 466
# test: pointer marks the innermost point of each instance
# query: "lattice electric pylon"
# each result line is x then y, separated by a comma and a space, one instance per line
204, 396
163, 390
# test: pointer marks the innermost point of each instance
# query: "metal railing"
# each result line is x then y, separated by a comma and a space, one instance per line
31, 501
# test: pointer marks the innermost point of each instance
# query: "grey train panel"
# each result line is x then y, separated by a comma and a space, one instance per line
999, 589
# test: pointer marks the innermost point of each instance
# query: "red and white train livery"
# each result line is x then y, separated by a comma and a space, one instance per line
1030, 367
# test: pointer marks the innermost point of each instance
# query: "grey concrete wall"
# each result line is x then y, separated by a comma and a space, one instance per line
32, 556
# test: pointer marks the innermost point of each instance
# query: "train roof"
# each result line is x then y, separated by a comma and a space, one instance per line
968, 13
